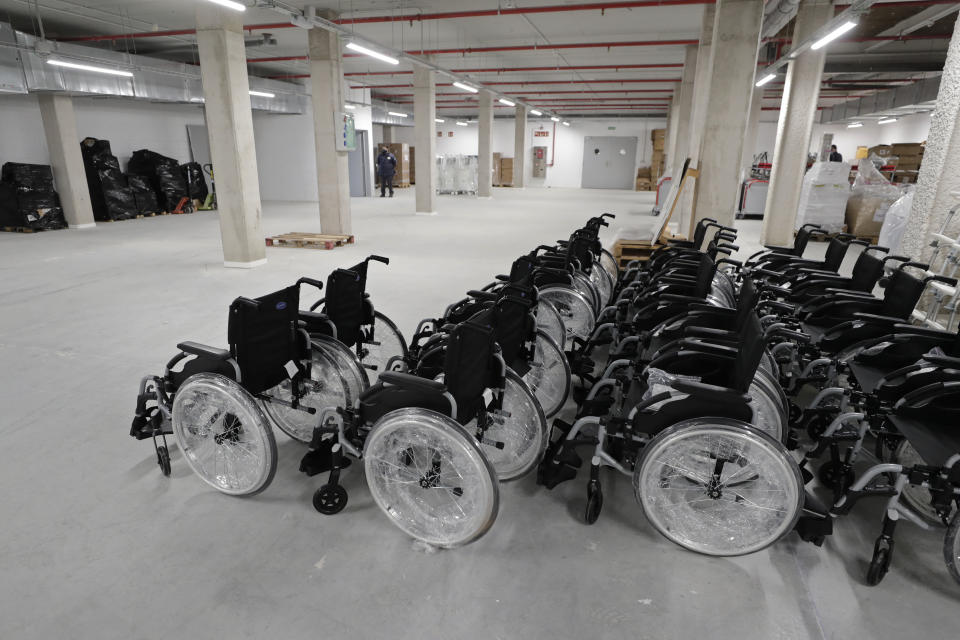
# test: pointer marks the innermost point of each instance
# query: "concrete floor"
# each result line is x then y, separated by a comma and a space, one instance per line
95, 543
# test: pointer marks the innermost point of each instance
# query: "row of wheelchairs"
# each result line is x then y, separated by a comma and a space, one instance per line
693, 378
437, 423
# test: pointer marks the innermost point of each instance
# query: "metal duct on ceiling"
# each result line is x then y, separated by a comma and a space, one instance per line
904, 98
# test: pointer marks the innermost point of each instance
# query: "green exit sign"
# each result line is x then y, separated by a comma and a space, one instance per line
611, 128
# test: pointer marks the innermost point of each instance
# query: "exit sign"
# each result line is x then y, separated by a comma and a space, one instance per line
611, 128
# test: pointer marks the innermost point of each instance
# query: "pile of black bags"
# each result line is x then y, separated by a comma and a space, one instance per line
28, 199
110, 194
164, 176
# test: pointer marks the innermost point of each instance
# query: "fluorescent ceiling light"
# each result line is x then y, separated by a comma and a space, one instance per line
765, 79
461, 123
565, 123
440, 120
370, 52
887, 121
854, 125
833, 35
507, 102
397, 114
534, 112
555, 118
349, 106
263, 94
87, 67
198, 99
229, 4
465, 87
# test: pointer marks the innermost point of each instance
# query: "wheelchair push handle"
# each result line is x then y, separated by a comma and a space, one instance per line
246, 302
311, 282
950, 282
378, 259
897, 258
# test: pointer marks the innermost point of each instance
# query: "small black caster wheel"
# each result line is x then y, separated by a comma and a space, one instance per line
163, 459
796, 414
793, 440
330, 499
816, 425
827, 474
594, 502
879, 565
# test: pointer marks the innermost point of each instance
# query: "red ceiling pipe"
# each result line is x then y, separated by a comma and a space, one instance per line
551, 47
528, 82
611, 67
277, 59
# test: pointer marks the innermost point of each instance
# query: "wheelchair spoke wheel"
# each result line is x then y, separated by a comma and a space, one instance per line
387, 343
514, 441
916, 497
349, 364
428, 475
609, 264
549, 375
550, 322
769, 404
601, 284
575, 310
582, 283
224, 436
326, 387
951, 547
719, 487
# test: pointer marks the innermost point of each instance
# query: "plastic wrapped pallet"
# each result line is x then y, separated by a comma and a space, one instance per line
164, 176
30, 200
196, 184
895, 221
118, 197
110, 197
143, 195
28, 177
871, 196
824, 195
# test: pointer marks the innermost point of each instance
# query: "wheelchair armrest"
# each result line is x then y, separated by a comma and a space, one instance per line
676, 298
709, 334
810, 271
940, 360
197, 349
483, 295
691, 344
877, 319
410, 381
709, 309
710, 390
926, 332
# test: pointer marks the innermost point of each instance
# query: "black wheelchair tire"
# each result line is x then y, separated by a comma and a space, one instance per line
330, 499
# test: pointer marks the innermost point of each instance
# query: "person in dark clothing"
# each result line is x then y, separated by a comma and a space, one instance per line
386, 167
835, 156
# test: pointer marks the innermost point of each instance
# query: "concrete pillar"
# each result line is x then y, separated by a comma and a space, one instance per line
223, 68
673, 117
333, 168
63, 144
485, 145
798, 108
698, 112
684, 101
425, 133
940, 171
736, 39
519, 146
750, 137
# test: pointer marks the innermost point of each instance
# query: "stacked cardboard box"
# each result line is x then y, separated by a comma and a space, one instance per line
881, 150
658, 137
644, 181
413, 166
401, 152
506, 172
496, 169
909, 157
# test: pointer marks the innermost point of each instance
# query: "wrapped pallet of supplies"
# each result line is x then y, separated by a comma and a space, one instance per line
871, 196
824, 195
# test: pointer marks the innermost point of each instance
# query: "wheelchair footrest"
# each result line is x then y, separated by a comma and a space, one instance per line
320, 459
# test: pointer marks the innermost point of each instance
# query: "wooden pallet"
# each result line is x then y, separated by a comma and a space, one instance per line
20, 230
626, 251
309, 240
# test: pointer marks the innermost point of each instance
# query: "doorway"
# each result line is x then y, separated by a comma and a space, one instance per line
358, 162
609, 162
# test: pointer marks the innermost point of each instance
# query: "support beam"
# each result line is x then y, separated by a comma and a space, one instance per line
425, 133
940, 172
736, 38
798, 108
673, 117
226, 88
63, 144
333, 169
684, 102
698, 112
485, 145
750, 137
520, 146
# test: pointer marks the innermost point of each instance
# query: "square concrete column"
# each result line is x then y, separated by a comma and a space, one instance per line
798, 108
485, 145
223, 68
425, 133
698, 112
940, 172
683, 99
735, 41
333, 168
63, 144
673, 117
750, 137
519, 145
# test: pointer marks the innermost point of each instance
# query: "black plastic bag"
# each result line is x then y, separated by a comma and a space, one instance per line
196, 184
118, 197
145, 198
9, 210
173, 188
103, 171
28, 177
40, 210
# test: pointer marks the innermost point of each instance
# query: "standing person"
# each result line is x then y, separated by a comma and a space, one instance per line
835, 156
386, 167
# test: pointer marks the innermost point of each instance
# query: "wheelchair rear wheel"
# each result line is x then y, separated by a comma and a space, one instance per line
550, 322
515, 441
770, 407
582, 283
390, 344
719, 486
549, 375
575, 310
951, 547
326, 387
428, 475
224, 436
347, 361
601, 283
609, 264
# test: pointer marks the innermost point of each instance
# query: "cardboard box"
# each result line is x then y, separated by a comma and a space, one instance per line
862, 152
644, 184
658, 134
656, 165
402, 153
506, 172
909, 162
907, 149
882, 150
496, 169
413, 165
643, 172
905, 176
865, 214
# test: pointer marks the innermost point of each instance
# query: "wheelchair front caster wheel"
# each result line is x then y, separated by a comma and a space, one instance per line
816, 425
163, 459
879, 564
594, 502
828, 475
330, 499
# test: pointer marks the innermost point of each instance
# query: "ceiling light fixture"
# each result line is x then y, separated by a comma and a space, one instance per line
887, 121
765, 79
854, 125
461, 123
263, 94
397, 114
229, 4
370, 52
465, 87
555, 118
349, 106
565, 123
439, 120
88, 67
534, 112
507, 102
833, 35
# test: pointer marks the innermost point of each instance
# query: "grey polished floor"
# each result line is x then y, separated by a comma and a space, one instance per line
95, 543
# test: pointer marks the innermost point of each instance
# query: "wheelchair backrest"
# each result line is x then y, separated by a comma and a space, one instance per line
263, 337
750, 350
902, 294
469, 362
513, 326
746, 302
581, 249
836, 251
800, 242
522, 269
867, 271
344, 303
705, 272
